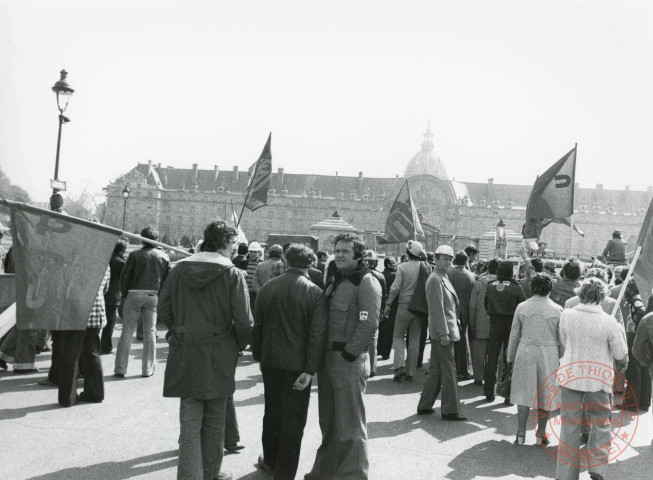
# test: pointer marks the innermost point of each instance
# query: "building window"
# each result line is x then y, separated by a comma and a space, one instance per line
483, 203
583, 208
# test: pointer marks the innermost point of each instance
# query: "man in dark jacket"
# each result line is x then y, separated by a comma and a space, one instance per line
566, 287
204, 304
354, 303
388, 321
140, 282
501, 299
463, 282
615, 251
288, 338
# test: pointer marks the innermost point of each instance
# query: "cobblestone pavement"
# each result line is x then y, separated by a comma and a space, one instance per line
133, 433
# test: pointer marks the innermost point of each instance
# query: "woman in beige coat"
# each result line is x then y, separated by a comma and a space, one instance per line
534, 350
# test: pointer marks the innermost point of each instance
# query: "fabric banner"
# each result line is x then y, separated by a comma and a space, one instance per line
643, 270
403, 222
60, 264
241, 238
259, 181
553, 192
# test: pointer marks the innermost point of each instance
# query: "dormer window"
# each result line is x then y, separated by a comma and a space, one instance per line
509, 204
596, 208
312, 193
284, 192
340, 195
272, 191
352, 195
483, 203
495, 203
221, 189
583, 208
610, 208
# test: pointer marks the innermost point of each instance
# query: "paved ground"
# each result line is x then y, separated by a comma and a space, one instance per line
133, 434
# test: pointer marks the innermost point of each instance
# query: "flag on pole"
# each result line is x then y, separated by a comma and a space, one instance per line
403, 222
643, 270
60, 264
553, 192
241, 238
256, 195
552, 199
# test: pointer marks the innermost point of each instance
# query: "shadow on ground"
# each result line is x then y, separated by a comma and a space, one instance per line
116, 470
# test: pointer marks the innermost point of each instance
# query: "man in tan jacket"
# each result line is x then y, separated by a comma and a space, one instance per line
443, 330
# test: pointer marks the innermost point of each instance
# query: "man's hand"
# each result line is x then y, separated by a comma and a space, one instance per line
386, 311
444, 340
303, 381
622, 364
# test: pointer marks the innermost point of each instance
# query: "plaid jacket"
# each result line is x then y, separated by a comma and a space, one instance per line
98, 317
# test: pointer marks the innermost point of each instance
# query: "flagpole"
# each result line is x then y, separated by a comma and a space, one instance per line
631, 269
573, 193
571, 243
154, 242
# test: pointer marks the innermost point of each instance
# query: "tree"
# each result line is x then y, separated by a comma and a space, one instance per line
166, 239
11, 192
85, 206
185, 242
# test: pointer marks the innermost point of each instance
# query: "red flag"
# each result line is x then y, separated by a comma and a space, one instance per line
643, 270
403, 222
256, 195
60, 264
553, 192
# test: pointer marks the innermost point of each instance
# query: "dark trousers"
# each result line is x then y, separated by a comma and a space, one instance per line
284, 421
499, 337
80, 351
107, 331
442, 378
53, 374
639, 379
461, 351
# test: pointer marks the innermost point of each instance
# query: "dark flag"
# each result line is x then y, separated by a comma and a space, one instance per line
403, 223
60, 264
552, 198
256, 195
553, 193
643, 271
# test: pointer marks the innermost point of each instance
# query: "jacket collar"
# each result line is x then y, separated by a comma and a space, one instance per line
297, 271
588, 307
354, 276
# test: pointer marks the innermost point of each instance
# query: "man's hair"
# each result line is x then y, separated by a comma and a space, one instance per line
217, 236
387, 261
541, 284
592, 291
572, 269
358, 245
313, 259
151, 233
493, 265
299, 256
242, 249
624, 273
469, 250
597, 273
119, 249
538, 265
322, 255
505, 270
275, 254
430, 256
460, 258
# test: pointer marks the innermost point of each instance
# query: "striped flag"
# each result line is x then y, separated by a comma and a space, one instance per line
643, 270
403, 222
60, 264
256, 195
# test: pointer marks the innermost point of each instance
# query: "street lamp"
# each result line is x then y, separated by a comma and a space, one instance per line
125, 194
63, 90
501, 236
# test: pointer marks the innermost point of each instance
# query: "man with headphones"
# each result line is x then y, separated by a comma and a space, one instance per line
354, 305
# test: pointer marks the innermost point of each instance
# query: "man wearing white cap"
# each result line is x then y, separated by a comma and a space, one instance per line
404, 287
443, 330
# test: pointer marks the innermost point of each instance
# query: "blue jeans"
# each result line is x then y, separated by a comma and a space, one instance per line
138, 304
341, 392
598, 413
201, 444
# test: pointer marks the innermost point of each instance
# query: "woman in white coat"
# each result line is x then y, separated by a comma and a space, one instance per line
534, 350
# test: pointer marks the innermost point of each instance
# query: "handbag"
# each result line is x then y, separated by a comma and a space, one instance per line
503, 385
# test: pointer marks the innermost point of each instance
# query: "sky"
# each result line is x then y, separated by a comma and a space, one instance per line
508, 87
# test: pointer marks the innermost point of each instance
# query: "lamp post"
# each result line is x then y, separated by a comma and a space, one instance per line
63, 90
501, 240
125, 194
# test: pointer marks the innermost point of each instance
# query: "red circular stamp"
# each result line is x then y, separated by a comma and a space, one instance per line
586, 394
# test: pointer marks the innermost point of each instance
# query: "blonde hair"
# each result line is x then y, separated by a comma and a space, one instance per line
592, 291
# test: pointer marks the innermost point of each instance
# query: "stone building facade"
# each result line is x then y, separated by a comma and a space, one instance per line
181, 202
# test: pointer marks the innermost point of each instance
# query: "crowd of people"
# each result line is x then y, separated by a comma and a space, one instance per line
308, 315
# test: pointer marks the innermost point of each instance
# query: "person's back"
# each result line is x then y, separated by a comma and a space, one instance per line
615, 251
145, 269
